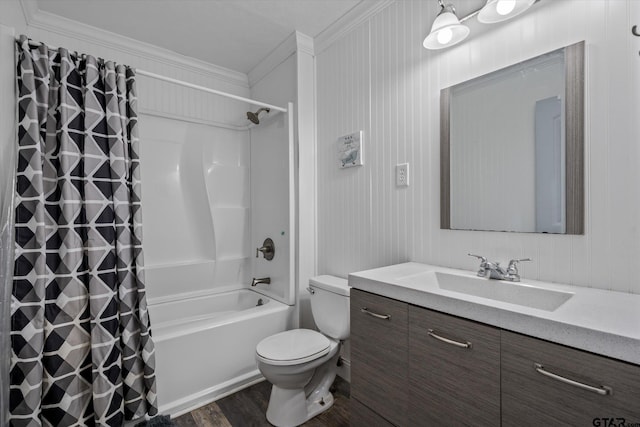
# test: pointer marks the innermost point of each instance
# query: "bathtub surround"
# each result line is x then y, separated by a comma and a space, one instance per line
227, 204
81, 345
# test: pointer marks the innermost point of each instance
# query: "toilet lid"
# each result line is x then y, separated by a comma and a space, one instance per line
293, 347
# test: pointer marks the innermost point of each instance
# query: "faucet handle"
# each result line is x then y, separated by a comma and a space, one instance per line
482, 259
268, 249
513, 264
482, 270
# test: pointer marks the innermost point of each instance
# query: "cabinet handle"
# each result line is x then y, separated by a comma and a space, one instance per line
432, 334
602, 390
365, 310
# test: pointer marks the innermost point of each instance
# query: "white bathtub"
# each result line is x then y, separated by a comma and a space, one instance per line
205, 346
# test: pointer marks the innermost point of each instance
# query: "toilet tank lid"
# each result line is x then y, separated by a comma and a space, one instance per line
329, 283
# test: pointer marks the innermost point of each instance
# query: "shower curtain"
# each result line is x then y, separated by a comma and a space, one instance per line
82, 352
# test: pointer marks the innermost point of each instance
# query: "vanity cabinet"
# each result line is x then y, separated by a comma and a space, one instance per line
550, 384
452, 357
412, 366
362, 416
379, 357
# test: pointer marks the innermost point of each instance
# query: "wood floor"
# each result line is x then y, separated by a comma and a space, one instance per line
249, 406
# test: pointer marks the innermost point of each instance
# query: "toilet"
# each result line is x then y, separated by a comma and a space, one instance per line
301, 363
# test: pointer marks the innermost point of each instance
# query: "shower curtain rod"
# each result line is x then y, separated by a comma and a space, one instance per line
206, 89
193, 86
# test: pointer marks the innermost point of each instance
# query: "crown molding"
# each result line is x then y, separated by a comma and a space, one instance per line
341, 27
69, 28
298, 41
29, 9
295, 42
305, 44
276, 57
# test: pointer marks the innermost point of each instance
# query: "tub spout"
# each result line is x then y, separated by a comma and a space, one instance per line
266, 280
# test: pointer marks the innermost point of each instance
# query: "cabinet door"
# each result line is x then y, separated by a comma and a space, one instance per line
454, 367
362, 416
379, 354
550, 384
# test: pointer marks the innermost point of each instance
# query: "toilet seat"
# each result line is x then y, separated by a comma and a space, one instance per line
293, 347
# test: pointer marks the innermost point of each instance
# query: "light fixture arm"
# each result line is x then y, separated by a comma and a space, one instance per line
471, 15
447, 8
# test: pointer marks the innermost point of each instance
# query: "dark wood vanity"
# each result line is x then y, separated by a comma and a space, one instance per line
411, 366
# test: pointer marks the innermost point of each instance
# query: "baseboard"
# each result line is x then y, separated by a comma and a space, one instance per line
202, 398
344, 370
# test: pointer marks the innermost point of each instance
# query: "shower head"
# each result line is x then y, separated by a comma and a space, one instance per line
254, 116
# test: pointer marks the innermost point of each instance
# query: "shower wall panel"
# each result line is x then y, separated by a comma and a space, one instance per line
196, 205
272, 184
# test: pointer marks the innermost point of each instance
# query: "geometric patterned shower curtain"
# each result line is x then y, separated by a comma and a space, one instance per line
82, 352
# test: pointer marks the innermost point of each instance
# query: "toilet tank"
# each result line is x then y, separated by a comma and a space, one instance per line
330, 305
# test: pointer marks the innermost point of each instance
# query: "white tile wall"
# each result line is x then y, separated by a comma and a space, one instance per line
379, 79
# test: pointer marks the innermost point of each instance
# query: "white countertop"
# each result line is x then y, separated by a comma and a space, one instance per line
599, 321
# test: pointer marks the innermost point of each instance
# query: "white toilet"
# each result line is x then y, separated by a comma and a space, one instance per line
301, 363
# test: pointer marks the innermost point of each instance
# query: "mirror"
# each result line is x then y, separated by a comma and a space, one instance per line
512, 147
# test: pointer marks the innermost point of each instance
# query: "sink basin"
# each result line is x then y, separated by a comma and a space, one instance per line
509, 292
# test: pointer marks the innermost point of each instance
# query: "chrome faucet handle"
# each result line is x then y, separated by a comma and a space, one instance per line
513, 264
482, 270
512, 272
482, 259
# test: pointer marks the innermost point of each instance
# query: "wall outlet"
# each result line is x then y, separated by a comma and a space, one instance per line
402, 175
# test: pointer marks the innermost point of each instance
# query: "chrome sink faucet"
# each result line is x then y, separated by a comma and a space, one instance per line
493, 270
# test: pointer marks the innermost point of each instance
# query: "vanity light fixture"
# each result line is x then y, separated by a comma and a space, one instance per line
448, 30
501, 10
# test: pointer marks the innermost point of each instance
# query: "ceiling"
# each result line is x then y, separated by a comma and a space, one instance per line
235, 34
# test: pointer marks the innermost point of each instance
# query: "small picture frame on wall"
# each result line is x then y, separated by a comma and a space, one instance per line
350, 150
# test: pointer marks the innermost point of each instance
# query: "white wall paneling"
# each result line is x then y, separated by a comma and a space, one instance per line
7, 181
307, 176
346, 216
379, 78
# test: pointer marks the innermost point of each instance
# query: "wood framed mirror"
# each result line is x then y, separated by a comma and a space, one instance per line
512, 147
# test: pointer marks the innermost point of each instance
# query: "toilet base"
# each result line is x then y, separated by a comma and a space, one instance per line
319, 406
290, 407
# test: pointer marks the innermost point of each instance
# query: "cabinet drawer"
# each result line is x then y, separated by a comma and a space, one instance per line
540, 396
361, 416
455, 370
379, 354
